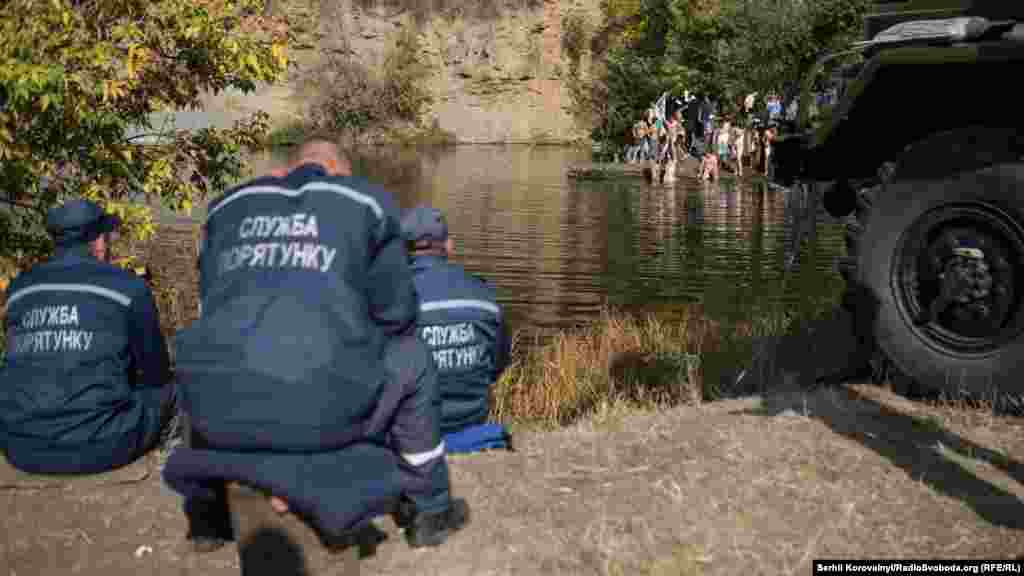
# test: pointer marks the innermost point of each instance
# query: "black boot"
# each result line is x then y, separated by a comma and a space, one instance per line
404, 512
209, 524
433, 529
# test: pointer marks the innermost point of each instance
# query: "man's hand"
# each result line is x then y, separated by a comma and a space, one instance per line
279, 505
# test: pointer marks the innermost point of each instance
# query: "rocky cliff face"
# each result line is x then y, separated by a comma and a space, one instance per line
499, 70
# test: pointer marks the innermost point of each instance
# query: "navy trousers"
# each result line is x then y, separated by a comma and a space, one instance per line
406, 419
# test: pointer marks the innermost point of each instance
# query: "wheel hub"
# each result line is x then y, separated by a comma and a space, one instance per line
960, 276
965, 285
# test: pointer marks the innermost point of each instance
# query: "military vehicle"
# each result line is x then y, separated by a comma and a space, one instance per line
921, 156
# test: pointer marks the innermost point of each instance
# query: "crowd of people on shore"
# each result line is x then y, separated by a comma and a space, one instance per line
739, 142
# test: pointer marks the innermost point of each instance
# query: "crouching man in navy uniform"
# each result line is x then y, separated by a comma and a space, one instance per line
86, 385
306, 346
459, 320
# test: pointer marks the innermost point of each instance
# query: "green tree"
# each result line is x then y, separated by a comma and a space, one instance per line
78, 77
773, 45
723, 48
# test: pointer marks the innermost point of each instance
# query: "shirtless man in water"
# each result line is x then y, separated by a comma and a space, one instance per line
740, 144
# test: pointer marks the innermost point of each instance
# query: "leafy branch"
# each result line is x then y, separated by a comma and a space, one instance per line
80, 81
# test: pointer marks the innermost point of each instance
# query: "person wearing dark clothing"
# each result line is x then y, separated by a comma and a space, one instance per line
695, 129
85, 388
460, 320
701, 114
307, 346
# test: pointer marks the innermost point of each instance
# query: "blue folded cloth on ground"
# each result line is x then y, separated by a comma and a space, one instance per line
338, 492
488, 436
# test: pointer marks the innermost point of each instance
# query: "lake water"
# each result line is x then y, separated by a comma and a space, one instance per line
558, 250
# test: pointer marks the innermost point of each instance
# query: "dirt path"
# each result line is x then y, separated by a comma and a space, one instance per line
737, 487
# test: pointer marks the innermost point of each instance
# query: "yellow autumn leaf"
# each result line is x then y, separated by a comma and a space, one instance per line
251, 61
44, 102
280, 54
130, 62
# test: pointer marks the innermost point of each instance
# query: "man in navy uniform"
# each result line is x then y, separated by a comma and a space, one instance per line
459, 320
86, 385
306, 342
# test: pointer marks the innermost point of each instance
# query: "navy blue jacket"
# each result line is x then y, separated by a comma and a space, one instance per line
302, 280
462, 324
79, 331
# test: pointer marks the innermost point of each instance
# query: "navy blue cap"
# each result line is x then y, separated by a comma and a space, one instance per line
424, 223
79, 221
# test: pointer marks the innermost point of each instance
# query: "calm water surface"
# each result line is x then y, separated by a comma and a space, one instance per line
558, 250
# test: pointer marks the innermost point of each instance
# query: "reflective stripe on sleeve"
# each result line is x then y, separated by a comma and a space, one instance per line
326, 186
87, 288
421, 458
450, 304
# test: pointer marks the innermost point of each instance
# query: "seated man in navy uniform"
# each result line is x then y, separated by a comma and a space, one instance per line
86, 385
459, 320
306, 344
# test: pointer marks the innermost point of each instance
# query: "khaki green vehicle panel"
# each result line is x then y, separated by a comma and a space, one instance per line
887, 14
904, 94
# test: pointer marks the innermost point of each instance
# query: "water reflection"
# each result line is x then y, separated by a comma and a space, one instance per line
558, 249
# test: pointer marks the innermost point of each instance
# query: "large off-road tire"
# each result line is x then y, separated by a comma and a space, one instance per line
953, 191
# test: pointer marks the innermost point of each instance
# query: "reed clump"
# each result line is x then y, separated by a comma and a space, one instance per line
623, 360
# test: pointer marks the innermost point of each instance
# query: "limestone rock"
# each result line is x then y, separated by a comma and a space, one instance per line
497, 74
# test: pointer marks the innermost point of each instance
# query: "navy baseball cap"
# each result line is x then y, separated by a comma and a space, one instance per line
423, 224
79, 221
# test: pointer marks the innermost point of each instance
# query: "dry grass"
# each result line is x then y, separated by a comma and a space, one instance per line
742, 486
623, 361
759, 485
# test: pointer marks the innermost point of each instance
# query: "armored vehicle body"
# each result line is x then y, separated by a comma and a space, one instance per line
922, 157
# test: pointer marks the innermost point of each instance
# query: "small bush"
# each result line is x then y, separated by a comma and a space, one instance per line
576, 34
288, 135
354, 99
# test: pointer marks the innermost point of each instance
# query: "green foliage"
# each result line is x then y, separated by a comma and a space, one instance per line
775, 49
76, 78
723, 48
354, 99
290, 134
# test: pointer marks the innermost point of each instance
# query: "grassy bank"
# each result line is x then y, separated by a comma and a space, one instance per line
624, 362
620, 362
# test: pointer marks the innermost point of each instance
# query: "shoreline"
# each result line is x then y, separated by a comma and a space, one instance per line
726, 488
